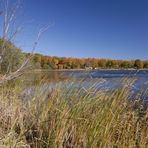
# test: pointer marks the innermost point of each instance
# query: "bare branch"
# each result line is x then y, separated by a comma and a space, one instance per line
8, 15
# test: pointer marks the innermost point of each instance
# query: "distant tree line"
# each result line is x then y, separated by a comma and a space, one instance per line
12, 57
48, 62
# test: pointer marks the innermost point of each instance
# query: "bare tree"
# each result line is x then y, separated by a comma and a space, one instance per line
8, 15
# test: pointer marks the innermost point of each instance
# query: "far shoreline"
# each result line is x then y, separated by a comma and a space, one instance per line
64, 70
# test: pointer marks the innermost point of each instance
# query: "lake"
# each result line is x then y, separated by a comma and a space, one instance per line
105, 80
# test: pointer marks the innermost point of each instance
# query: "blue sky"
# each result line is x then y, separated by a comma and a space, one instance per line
116, 29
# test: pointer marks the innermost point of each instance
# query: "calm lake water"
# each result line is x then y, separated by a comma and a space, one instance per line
112, 78
106, 80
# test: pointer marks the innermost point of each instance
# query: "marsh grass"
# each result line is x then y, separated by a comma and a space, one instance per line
71, 116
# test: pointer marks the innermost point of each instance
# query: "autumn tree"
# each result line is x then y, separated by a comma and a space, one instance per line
102, 63
48, 62
94, 63
54, 63
81, 62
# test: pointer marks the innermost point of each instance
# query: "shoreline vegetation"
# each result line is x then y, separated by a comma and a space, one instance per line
46, 70
72, 117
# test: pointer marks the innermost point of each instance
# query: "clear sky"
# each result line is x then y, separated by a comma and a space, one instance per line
116, 29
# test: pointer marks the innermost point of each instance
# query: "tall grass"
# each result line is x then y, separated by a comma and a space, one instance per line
71, 116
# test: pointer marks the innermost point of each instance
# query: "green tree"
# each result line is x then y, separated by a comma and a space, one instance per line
110, 64
36, 61
138, 64
145, 64
125, 64
11, 57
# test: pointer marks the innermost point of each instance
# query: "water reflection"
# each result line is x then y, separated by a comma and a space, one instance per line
105, 80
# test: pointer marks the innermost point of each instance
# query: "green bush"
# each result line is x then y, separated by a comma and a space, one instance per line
11, 57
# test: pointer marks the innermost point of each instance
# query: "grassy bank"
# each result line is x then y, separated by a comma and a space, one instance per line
71, 117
